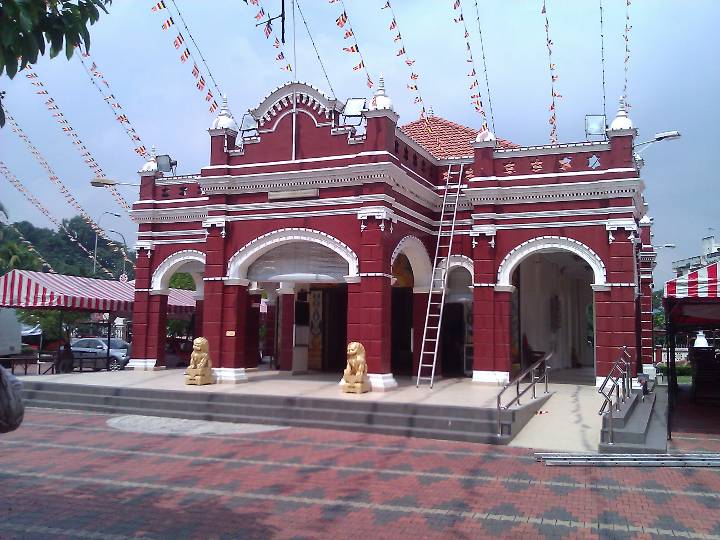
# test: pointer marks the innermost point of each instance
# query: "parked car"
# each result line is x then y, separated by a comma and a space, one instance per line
92, 352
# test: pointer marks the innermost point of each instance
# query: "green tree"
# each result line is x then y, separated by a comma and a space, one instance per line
16, 256
55, 324
27, 25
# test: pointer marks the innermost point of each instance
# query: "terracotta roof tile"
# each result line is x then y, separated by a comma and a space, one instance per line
448, 138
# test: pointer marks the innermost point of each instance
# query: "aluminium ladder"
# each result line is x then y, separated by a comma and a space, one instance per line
438, 277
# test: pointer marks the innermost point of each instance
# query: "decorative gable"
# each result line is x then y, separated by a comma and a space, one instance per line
309, 99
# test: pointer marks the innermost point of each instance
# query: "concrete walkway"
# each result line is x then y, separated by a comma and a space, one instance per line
569, 419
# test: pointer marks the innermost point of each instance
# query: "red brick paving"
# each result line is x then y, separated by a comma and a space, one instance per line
69, 475
695, 426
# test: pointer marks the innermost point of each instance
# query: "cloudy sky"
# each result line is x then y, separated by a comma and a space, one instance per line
674, 84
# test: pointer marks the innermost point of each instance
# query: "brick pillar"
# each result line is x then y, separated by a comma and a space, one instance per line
149, 319
502, 332
486, 318
212, 319
420, 300
286, 338
235, 308
614, 325
370, 302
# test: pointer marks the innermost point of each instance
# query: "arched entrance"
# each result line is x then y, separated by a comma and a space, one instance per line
456, 333
304, 275
411, 269
552, 306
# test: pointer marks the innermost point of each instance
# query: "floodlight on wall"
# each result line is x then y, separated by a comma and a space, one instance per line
595, 125
165, 163
354, 108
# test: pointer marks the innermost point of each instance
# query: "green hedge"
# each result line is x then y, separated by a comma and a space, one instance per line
681, 370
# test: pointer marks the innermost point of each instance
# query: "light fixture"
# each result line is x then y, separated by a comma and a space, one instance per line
165, 163
354, 107
108, 182
595, 125
667, 135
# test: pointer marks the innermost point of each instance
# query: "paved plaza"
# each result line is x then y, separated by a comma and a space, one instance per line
78, 475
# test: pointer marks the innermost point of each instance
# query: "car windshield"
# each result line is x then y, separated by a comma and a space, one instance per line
118, 344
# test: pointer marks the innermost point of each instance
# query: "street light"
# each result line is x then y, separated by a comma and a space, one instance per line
96, 237
662, 136
665, 246
123, 275
107, 182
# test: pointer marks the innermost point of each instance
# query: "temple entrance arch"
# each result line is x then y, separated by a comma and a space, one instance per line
552, 307
411, 269
304, 275
456, 351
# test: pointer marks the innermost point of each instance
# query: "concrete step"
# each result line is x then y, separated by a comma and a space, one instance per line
646, 430
621, 417
440, 422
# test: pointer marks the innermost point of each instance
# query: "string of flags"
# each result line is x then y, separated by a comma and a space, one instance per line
553, 78
61, 186
54, 108
626, 37
17, 184
474, 86
413, 84
269, 32
31, 248
185, 55
344, 24
94, 74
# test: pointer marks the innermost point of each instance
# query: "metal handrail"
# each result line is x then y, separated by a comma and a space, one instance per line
620, 379
534, 378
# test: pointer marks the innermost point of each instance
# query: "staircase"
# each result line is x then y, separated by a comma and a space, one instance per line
470, 424
438, 277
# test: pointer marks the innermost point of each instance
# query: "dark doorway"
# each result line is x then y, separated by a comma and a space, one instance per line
334, 355
452, 341
401, 331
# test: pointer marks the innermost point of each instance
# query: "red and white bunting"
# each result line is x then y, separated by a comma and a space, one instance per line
59, 183
476, 102
17, 184
553, 79
64, 124
114, 104
343, 22
626, 63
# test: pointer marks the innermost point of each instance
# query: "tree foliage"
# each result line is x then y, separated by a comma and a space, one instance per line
55, 324
63, 254
27, 26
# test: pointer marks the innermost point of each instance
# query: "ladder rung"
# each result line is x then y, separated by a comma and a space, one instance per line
431, 339
432, 327
426, 365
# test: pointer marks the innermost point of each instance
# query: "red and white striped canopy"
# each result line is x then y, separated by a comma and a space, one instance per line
26, 289
702, 283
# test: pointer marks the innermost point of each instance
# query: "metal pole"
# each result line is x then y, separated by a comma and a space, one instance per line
109, 332
95, 253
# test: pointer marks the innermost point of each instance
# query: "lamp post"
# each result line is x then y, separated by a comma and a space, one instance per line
96, 237
663, 136
123, 276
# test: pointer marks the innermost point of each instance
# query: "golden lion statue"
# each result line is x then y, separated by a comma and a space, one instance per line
355, 379
200, 369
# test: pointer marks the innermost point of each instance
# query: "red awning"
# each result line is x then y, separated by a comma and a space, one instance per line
693, 300
702, 283
26, 289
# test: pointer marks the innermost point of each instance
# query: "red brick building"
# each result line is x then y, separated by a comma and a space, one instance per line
337, 224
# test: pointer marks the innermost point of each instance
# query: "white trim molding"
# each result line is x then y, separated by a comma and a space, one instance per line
550, 244
142, 364
497, 377
165, 270
382, 382
230, 375
460, 260
240, 262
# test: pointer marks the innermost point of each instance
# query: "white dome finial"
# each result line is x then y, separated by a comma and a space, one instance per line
150, 164
224, 118
380, 99
622, 120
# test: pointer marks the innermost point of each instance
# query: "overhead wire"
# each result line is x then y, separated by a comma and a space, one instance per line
341, 21
17, 184
626, 36
602, 57
55, 179
114, 105
485, 69
317, 52
52, 105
